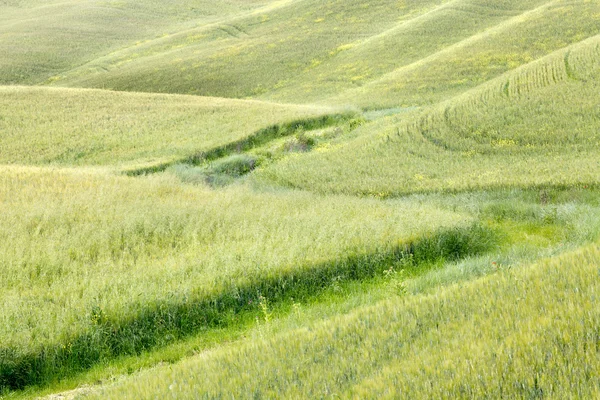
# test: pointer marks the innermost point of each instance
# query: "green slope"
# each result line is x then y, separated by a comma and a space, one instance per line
521, 129
39, 40
519, 334
95, 267
254, 132
96, 127
514, 41
372, 55
268, 48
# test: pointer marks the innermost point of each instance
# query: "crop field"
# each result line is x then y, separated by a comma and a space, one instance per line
42, 38
545, 316
520, 129
299, 199
111, 128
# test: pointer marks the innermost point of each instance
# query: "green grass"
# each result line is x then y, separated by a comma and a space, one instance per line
541, 338
521, 129
540, 29
95, 266
95, 127
527, 230
299, 198
269, 48
42, 39
371, 55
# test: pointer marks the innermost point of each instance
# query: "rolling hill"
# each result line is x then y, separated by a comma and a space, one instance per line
298, 198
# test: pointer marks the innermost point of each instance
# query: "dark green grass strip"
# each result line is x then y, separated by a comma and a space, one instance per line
162, 323
589, 186
257, 139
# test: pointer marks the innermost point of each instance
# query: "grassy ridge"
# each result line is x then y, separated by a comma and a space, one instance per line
527, 333
371, 55
40, 40
81, 249
95, 127
518, 130
516, 41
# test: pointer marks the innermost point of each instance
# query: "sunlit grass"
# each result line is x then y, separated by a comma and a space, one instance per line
408, 232
39, 40
519, 130
100, 262
515, 334
95, 127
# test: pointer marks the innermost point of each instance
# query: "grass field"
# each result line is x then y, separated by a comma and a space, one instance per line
545, 317
299, 199
94, 262
93, 127
521, 129
44, 38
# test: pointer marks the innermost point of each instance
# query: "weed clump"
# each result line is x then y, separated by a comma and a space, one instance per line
300, 143
234, 166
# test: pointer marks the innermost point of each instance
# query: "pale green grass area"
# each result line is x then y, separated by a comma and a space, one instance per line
518, 333
521, 129
85, 253
85, 127
509, 44
370, 55
300, 198
417, 40
268, 48
533, 230
39, 40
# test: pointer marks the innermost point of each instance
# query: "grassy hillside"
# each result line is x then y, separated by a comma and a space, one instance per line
268, 49
299, 198
95, 266
94, 127
529, 333
521, 129
41, 39
540, 29
373, 55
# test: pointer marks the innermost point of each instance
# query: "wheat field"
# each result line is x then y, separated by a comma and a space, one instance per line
299, 199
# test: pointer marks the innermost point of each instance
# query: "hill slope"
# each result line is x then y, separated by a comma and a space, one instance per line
40, 39
528, 333
96, 127
521, 129
300, 191
373, 55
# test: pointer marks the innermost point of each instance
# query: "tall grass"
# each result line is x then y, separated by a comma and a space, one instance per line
529, 333
95, 127
95, 266
521, 129
476, 152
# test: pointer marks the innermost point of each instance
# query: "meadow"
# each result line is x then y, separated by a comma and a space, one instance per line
299, 198
43, 38
545, 317
519, 130
127, 129
94, 262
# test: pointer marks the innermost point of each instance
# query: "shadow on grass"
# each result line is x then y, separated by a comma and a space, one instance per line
161, 323
257, 139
